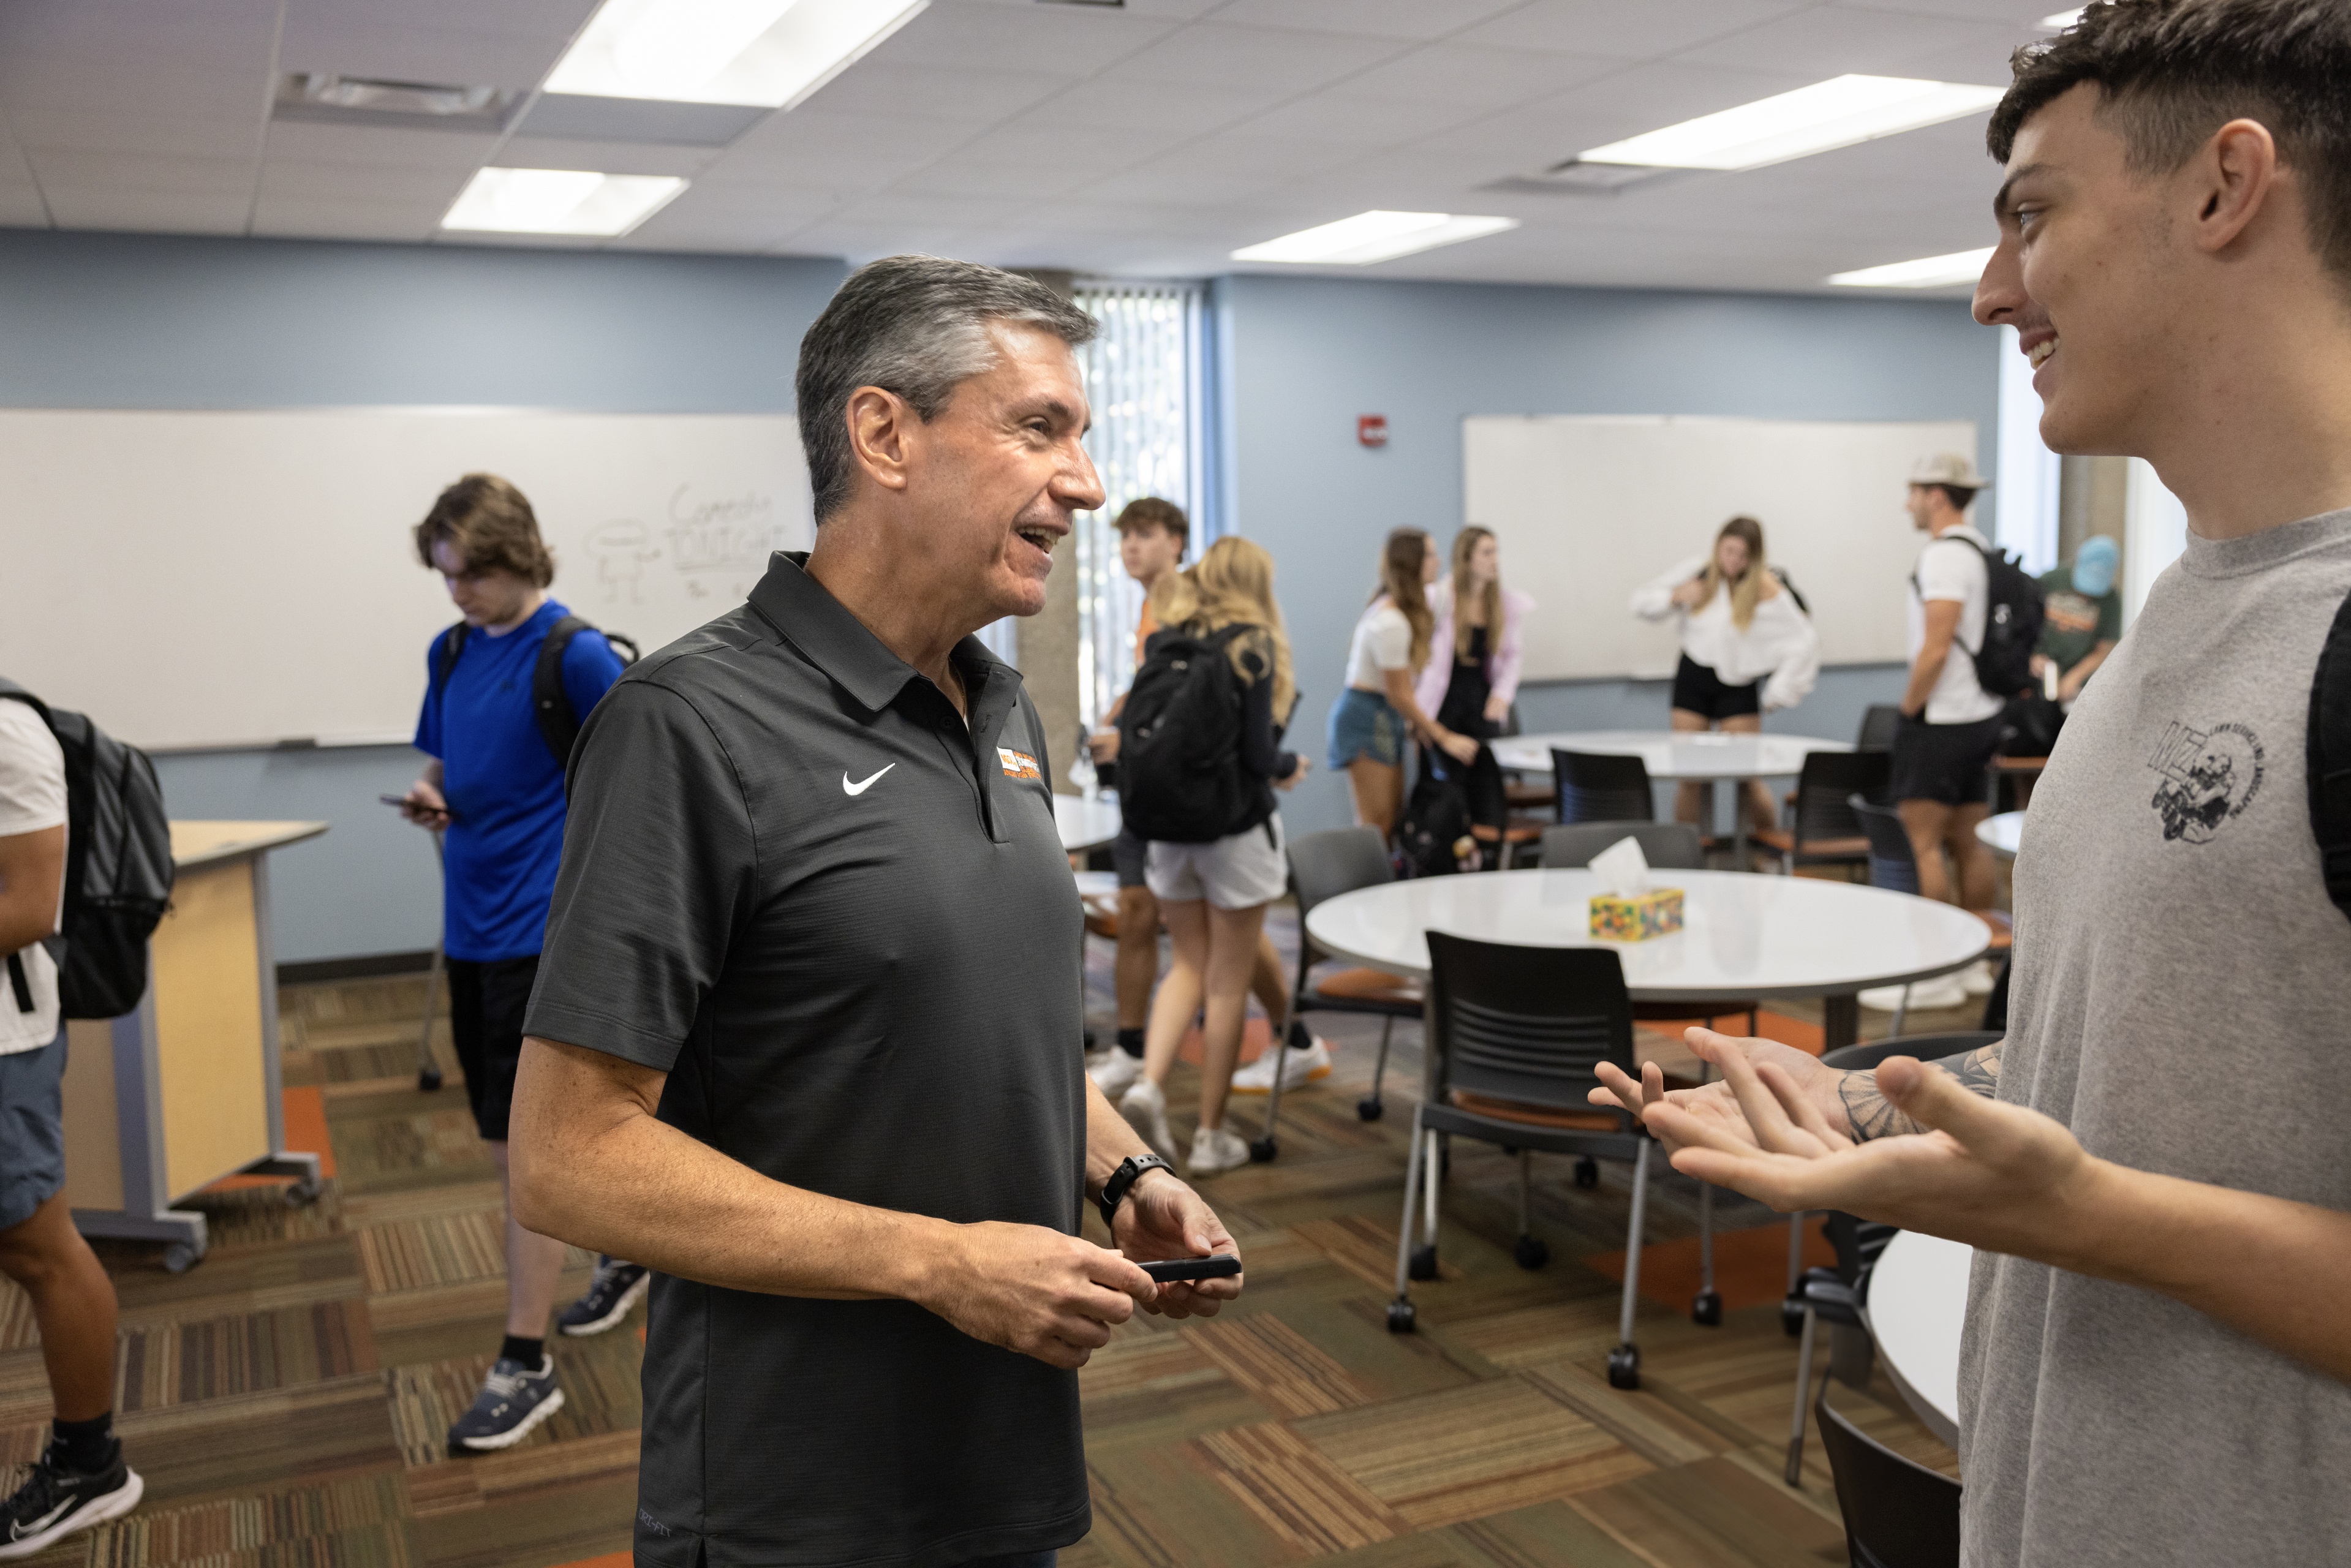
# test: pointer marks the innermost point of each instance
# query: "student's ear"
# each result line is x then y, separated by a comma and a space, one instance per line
2233, 177
880, 426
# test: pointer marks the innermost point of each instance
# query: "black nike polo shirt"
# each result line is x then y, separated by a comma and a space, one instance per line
841, 921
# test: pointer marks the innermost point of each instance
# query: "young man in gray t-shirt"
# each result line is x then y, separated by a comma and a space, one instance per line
2157, 1345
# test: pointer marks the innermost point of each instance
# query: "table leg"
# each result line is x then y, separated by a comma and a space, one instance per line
1840, 1022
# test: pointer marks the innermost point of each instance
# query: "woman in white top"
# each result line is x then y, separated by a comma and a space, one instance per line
1372, 718
1748, 647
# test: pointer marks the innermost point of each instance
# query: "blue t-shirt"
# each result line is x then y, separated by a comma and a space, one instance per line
504, 787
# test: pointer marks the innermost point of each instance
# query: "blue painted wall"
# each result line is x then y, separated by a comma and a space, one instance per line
1301, 358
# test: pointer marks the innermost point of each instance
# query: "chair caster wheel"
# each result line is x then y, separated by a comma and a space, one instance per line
1262, 1150
304, 1192
1625, 1368
1587, 1172
1791, 1318
1423, 1263
1531, 1252
428, 1079
1707, 1310
1400, 1317
1369, 1109
179, 1257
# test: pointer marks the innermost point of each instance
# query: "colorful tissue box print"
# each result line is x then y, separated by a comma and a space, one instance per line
1655, 912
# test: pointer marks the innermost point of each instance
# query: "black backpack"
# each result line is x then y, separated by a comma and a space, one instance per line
1435, 824
1179, 744
119, 869
2014, 607
558, 725
2328, 758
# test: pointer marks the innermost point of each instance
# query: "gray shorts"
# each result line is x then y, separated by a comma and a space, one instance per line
1234, 873
32, 1130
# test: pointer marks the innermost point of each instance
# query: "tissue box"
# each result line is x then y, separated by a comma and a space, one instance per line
1655, 912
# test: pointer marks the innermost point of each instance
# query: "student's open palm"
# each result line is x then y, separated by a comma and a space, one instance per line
1714, 1106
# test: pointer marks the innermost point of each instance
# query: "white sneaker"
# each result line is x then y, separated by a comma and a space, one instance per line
1214, 1150
1297, 1067
1943, 991
1113, 1072
1145, 1110
1978, 979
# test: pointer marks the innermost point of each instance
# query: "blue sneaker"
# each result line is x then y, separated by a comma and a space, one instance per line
514, 1399
617, 1287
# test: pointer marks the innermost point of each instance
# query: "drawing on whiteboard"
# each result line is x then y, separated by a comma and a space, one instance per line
622, 547
727, 537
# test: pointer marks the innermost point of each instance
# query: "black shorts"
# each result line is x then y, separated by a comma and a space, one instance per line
1947, 763
1699, 690
486, 1001
1128, 851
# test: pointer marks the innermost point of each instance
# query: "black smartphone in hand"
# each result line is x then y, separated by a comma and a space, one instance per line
1217, 1266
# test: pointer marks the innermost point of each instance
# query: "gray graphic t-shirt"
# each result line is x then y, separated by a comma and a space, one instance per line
2181, 990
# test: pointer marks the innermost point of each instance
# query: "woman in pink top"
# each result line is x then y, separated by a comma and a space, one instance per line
1470, 685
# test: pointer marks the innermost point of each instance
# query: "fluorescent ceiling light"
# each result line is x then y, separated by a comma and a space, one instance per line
1373, 236
1816, 119
559, 201
1927, 272
768, 53
2057, 22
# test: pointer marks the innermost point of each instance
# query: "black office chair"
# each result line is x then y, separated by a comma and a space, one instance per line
1821, 828
1837, 1294
1898, 1512
1878, 723
1321, 866
1517, 1033
1596, 787
1894, 865
1666, 846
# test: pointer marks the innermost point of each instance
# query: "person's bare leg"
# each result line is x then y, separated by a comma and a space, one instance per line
1928, 824
1762, 811
1979, 881
1178, 1001
1269, 984
1377, 789
1137, 965
1232, 954
534, 1265
1690, 799
73, 1304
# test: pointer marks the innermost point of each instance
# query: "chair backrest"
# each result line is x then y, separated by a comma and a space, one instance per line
1335, 861
1897, 1513
1528, 1024
1597, 787
1878, 723
1829, 779
1668, 846
1892, 862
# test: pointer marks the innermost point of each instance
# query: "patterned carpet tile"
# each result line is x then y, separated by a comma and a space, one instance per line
256, 1442
1307, 1500
601, 1396
362, 1522
189, 1362
1285, 1371
259, 1216
419, 1148
1713, 1512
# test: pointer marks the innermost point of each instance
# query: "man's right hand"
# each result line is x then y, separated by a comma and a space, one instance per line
1102, 745
1034, 1290
1714, 1104
425, 805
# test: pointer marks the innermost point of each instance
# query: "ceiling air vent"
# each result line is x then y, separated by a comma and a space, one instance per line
370, 100
1576, 178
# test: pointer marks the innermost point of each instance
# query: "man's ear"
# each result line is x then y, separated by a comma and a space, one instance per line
882, 427
2232, 180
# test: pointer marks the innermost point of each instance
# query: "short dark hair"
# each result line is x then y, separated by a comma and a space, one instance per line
2175, 71
1151, 512
915, 326
492, 528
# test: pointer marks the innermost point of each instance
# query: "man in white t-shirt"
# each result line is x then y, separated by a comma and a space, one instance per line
1950, 724
81, 1478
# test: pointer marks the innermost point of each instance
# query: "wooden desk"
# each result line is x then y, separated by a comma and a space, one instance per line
171, 1097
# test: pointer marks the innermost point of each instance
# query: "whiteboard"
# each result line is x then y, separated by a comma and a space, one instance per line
203, 578
1588, 509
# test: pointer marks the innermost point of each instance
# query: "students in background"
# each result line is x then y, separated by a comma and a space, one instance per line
1748, 648
81, 1478
1378, 711
2083, 618
1472, 675
496, 789
1213, 895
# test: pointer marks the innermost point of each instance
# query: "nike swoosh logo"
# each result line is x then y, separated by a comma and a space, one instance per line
21, 1531
848, 788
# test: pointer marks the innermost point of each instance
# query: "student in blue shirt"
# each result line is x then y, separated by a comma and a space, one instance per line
495, 789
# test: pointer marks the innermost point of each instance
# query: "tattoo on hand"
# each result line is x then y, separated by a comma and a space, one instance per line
1873, 1115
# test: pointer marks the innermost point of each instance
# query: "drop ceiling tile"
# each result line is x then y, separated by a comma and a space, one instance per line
1476, 77
293, 217
357, 184
736, 220
1539, 134
390, 146
197, 35
936, 93
1650, 30
818, 150
1079, 40
1264, 59
1363, 124
556, 19
170, 135
1181, 108
155, 87
1408, 19
58, 168
77, 206
1242, 170
604, 157
1829, 41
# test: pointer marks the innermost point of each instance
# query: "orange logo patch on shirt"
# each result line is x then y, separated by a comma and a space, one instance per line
1018, 764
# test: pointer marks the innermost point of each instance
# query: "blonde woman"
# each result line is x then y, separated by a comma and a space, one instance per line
1379, 710
1748, 647
1472, 676
1213, 895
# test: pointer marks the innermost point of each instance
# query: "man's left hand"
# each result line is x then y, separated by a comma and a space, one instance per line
1162, 1218
1993, 1176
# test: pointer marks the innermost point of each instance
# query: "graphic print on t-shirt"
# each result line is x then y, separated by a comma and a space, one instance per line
1016, 764
2209, 775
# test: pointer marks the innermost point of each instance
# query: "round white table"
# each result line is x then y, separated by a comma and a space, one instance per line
1918, 1306
1688, 757
1085, 824
1743, 936
2000, 834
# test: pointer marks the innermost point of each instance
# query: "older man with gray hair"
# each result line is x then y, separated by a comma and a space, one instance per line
807, 1039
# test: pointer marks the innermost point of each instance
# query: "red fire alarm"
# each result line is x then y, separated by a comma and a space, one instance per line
1371, 429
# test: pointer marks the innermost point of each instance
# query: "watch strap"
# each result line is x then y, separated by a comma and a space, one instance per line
1129, 1171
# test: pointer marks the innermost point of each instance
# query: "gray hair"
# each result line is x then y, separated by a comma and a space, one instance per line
915, 326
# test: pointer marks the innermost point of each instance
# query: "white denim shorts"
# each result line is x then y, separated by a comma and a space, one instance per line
1234, 873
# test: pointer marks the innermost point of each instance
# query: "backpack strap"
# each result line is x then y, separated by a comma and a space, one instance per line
2328, 758
558, 725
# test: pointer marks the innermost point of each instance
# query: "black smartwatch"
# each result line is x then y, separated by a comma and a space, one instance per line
1129, 1171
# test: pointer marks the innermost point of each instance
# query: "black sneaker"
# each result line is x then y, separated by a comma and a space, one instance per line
514, 1399
617, 1287
56, 1502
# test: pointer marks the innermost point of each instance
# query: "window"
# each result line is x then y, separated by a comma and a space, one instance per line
1145, 377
